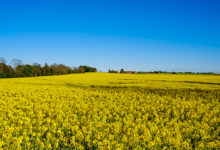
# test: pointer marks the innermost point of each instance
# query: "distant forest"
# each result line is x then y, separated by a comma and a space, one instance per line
158, 72
18, 69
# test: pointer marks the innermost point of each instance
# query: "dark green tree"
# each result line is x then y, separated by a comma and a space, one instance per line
88, 68
122, 71
112, 71
6, 71
46, 70
27, 71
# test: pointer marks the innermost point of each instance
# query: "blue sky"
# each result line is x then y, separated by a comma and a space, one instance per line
141, 35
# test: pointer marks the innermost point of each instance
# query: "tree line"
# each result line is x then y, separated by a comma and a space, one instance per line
158, 72
18, 69
116, 71
173, 72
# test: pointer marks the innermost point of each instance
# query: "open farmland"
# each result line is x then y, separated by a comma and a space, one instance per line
110, 111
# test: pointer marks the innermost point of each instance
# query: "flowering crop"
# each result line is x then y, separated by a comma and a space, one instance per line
110, 111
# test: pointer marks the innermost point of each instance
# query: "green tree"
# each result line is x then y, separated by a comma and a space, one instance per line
79, 70
122, 71
112, 71
19, 70
27, 71
46, 70
88, 68
6, 71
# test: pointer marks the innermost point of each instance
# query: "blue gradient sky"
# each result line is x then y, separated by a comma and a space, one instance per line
141, 35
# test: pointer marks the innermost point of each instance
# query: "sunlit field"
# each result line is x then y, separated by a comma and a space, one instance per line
110, 111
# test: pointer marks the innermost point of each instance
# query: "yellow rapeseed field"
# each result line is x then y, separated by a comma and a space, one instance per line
110, 111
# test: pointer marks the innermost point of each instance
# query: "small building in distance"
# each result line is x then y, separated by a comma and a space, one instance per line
130, 72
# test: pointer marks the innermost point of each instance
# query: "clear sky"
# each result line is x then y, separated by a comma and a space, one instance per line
141, 35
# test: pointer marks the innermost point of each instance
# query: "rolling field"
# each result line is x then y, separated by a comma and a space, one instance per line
110, 111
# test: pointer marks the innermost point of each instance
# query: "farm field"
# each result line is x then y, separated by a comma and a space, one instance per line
110, 111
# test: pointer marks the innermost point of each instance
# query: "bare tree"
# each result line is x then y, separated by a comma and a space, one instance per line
2, 60
16, 62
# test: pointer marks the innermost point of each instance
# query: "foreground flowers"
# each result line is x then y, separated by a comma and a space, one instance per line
110, 111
